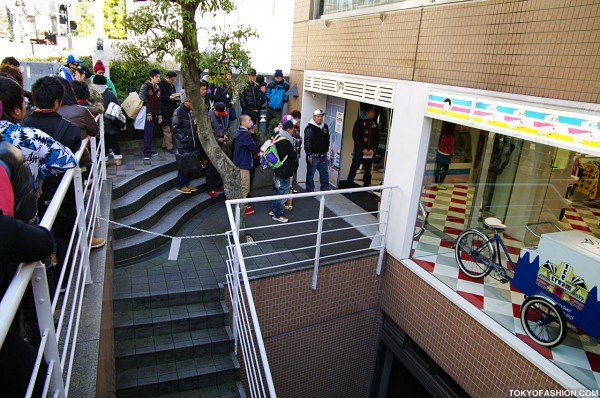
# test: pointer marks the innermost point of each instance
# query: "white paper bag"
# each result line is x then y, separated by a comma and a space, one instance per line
140, 120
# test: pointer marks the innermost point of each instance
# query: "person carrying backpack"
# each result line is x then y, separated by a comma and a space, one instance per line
281, 179
243, 149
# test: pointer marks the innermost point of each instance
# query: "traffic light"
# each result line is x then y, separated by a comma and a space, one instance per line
62, 14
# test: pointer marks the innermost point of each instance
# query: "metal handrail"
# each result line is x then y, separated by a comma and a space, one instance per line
58, 375
242, 301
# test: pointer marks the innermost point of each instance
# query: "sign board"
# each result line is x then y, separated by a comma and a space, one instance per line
575, 131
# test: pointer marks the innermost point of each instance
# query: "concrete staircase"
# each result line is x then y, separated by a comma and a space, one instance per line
149, 201
171, 338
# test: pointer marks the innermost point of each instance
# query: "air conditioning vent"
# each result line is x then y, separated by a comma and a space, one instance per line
370, 92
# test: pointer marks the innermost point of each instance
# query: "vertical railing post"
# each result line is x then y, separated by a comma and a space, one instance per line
318, 246
384, 237
103, 150
46, 322
236, 282
80, 206
94, 190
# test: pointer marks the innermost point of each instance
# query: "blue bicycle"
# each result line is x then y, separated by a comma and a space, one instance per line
478, 255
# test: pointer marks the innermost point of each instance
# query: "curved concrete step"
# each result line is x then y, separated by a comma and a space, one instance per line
159, 197
128, 184
141, 244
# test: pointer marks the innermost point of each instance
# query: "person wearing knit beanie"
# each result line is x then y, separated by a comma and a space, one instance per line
100, 69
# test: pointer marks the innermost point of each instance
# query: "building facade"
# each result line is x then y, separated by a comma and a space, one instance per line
516, 84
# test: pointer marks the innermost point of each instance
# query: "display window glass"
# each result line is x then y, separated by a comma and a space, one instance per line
531, 192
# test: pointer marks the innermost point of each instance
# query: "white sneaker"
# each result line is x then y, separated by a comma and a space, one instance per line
271, 213
280, 219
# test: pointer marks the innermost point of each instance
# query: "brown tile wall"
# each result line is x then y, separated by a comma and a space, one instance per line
481, 363
321, 343
297, 77
532, 47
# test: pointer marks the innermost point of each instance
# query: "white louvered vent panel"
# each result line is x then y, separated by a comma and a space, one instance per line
386, 94
371, 92
353, 89
368, 91
308, 81
328, 85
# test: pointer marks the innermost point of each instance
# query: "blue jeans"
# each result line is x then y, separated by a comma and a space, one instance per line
183, 179
318, 163
357, 159
281, 186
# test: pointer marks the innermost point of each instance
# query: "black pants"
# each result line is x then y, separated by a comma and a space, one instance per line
272, 114
440, 172
213, 178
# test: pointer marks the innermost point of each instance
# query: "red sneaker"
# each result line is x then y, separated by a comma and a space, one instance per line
219, 189
249, 211
212, 194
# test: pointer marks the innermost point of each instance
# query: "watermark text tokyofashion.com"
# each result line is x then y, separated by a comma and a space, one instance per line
554, 393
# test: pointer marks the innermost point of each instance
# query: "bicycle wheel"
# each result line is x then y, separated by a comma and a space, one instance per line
474, 253
421, 221
543, 321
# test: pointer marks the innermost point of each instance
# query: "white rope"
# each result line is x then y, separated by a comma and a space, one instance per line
157, 234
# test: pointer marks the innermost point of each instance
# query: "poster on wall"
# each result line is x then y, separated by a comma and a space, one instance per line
335, 109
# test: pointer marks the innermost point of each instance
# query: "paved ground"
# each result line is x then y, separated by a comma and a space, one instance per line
201, 261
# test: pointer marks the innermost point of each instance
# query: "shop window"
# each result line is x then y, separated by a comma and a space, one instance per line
534, 189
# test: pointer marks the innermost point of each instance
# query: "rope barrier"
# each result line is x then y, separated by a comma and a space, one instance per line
158, 234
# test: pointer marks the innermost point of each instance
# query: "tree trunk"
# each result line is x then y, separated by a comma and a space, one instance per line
191, 82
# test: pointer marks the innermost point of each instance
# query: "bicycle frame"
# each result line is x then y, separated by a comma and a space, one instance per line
500, 242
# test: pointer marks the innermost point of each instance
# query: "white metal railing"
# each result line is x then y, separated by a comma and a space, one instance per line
64, 335
368, 228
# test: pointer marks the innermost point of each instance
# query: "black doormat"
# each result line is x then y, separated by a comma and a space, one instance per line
366, 200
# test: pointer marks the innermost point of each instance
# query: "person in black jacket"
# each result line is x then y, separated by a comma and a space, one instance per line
168, 104
19, 242
316, 146
111, 132
251, 99
185, 139
281, 179
365, 134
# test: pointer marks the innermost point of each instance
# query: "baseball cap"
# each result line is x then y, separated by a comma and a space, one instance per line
84, 70
318, 112
71, 60
287, 125
221, 108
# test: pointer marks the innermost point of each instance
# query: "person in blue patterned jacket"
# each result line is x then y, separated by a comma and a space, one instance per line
43, 154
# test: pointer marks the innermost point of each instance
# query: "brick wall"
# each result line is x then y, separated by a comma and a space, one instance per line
481, 363
530, 47
321, 343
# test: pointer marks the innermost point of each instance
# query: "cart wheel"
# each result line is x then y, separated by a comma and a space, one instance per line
474, 253
543, 321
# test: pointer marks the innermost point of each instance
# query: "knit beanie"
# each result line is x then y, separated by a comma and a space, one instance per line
99, 66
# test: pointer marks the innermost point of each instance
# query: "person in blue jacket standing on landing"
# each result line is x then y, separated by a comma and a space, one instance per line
243, 149
276, 96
